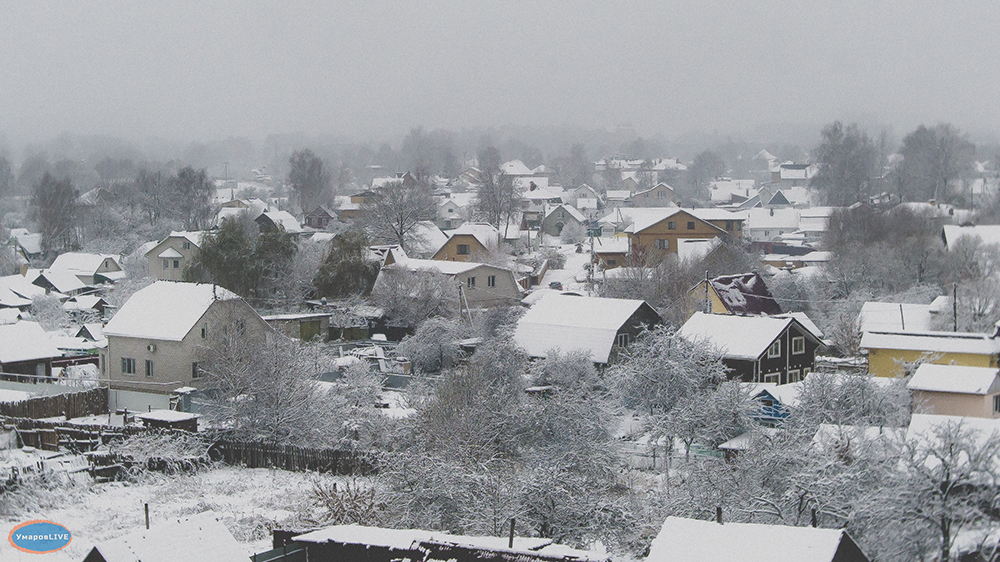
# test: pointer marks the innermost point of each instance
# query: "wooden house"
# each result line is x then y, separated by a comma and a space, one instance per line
745, 294
757, 348
896, 353
319, 218
660, 195
468, 242
955, 390
25, 349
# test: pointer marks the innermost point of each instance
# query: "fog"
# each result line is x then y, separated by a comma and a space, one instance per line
186, 70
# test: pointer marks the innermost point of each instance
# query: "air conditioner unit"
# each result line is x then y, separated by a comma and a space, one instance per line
151, 348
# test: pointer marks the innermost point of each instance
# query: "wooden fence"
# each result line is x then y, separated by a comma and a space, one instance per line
71, 404
290, 457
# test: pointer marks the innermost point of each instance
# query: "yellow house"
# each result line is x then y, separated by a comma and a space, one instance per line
954, 390
659, 233
745, 294
892, 354
469, 242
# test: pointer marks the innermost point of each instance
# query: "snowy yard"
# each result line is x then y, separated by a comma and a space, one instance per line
250, 501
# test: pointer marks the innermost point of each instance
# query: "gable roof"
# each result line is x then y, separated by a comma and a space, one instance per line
691, 539
654, 188
425, 238
62, 281
986, 233
485, 234
739, 337
80, 263
193, 236
892, 317
25, 341
745, 293
439, 266
567, 323
955, 378
515, 168
165, 310
198, 538
283, 218
577, 215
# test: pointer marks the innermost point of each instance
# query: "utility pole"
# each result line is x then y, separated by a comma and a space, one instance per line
954, 307
708, 305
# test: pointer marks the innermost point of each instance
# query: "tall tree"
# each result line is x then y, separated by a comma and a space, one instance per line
849, 164
53, 208
308, 178
396, 209
932, 158
191, 197
706, 167
499, 198
346, 270
6, 177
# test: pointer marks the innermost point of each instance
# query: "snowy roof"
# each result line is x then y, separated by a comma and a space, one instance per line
567, 323
165, 310
572, 212
82, 302
425, 238
716, 214
440, 266
486, 234
79, 263
542, 193
284, 219
641, 217
515, 168
63, 281
955, 378
197, 538
617, 194
690, 249
32, 243
892, 317
739, 337
9, 315
743, 441
411, 539
833, 436
804, 320
167, 416
193, 236
932, 342
988, 234
773, 218
925, 430
170, 253
25, 341
691, 539
606, 245
745, 294
16, 291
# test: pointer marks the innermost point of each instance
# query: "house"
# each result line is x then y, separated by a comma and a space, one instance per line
593, 325
985, 234
195, 538
791, 174
451, 213
16, 291
901, 317
424, 239
611, 252
757, 348
26, 349
374, 544
157, 339
91, 269
745, 294
301, 326
28, 245
468, 241
478, 285
767, 224
320, 217
955, 390
894, 353
776, 401
725, 191
659, 231
168, 259
55, 281
692, 540
559, 217
270, 221
169, 419
660, 195
85, 304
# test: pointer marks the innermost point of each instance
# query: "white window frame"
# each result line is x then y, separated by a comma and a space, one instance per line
128, 366
798, 345
996, 403
149, 368
470, 282
795, 375
774, 350
773, 377
491, 281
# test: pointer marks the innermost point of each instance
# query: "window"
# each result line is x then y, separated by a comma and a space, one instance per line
996, 403
798, 345
671, 225
690, 225
622, 340
739, 225
177, 264
149, 368
729, 225
128, 366
775, 349
451, 210
663, 244
187, 245
195, 371
661, 194
470, 282
447, 224
793, 376
204, 331
463, 249
773, 377
491, 281
612, 262
166, 264
766, 403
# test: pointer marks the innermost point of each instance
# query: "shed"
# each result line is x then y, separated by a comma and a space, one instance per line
170, 419
198, 538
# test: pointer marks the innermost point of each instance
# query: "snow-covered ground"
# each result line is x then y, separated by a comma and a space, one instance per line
573, 275
250, 501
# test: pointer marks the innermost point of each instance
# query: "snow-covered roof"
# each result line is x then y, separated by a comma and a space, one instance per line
440, 266
197, 538
804, 320
284, 219
80, 263
932, 342
165, 310
738, 337
691, 249
486, 234
425, 238
643, 217
614, 244
170, 253
987, 233
692, 539
32, 243
773, 218
955, 378
567, 323
617, 194
716, 214
830, 437
16, 291
894, 317
743, 441
82, 302
925, 430
569, 209
25, 341
193, 236
167, 416
63, 281
745, 294
515, 168
542, 193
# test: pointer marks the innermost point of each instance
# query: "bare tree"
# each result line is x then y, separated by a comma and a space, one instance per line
396, 208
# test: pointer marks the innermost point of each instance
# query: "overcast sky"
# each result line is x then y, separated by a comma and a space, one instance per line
208, 70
